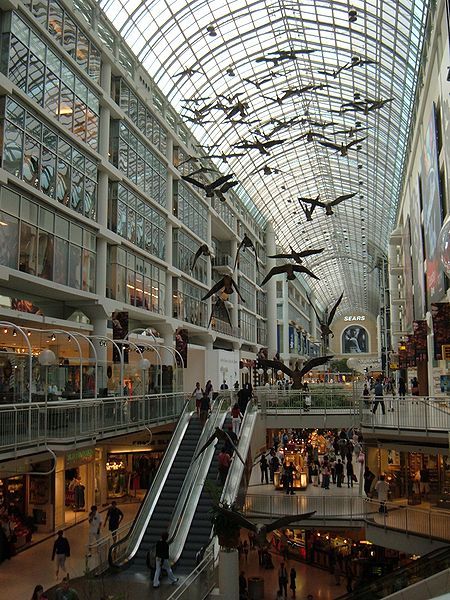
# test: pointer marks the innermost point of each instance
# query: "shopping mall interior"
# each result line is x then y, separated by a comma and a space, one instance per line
225, 299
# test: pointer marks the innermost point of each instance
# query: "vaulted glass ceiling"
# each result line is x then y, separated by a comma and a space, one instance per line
355, 87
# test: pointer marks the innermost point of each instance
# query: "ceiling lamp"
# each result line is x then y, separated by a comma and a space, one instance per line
211, 30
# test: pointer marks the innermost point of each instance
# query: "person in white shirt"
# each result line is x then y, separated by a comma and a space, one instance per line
382, 489
95, 523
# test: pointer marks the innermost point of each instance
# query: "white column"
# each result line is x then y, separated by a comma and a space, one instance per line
100, 325
229, 574
393, 294
271, 289
430, 350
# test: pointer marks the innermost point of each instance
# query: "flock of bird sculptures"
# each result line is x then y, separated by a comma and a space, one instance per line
237, 109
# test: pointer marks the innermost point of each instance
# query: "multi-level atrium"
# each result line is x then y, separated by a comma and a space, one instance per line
306, 73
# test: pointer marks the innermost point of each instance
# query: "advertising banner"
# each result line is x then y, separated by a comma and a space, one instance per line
440, 311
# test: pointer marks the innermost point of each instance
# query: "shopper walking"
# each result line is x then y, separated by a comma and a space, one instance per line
350, 472
114, 517
283, 579
368, 480
264, 466
205, 407
162, 560
95, 522
236, 418
198, 395
339, 468
38, 593
292, 578
378, 391
65, 592
61, 551
382, 490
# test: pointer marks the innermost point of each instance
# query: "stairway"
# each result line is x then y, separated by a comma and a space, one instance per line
200, 530
164, 508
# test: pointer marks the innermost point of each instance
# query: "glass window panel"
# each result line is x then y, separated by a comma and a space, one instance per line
50, 139
12, 149
53, 63
76, 234
94, 63
77, 193
15, 113
37, 47
66, 107
79, 119
36, 79
130, 291
10, 201
88, 271
61, 271
68, 76
28, 249
63, 182
31, 162
82, 50
55, 17
28, 210
70, 32
9, 240
91, 129
46, 219
19, 29
75, 266
33, 127
45, 255
18, 63
62, 227
40, 10
51, 97
121, 284
90, 198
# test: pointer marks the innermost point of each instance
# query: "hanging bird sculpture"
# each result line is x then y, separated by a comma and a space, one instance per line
222, 436
325, 325
328, 206
290, 271
226, 284
203, 250
246, 243
297, 256
295, 374
261, 529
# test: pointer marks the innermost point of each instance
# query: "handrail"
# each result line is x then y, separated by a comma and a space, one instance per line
422, 568
24, 425
143, 516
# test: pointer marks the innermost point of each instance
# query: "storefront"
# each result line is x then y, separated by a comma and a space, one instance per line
79, 482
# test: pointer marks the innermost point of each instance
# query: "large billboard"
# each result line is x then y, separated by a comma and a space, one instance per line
440, 311
407, 272
432, 218
416, 243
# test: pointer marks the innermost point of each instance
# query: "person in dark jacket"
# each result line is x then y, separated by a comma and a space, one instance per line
61, 550
350, 473
114, 517
162, 560
264, 466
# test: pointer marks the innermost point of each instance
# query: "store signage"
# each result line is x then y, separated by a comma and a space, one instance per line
79, 457
445, 351
355, 318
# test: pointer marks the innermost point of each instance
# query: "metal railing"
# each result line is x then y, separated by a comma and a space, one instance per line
98, 562
39, 424
429, 523
421, 413
321, 399
350, 508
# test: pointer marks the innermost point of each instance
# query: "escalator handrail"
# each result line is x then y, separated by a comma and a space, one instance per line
424, 562
137, 530
234, 478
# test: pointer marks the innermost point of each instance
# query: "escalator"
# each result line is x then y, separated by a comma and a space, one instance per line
200, 529
162, 513
412, 574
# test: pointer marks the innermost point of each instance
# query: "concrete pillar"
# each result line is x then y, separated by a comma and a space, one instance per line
430, 350
100, 328
168, 309
60, 492
271, 289
393, 292
229, 574
105, 78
